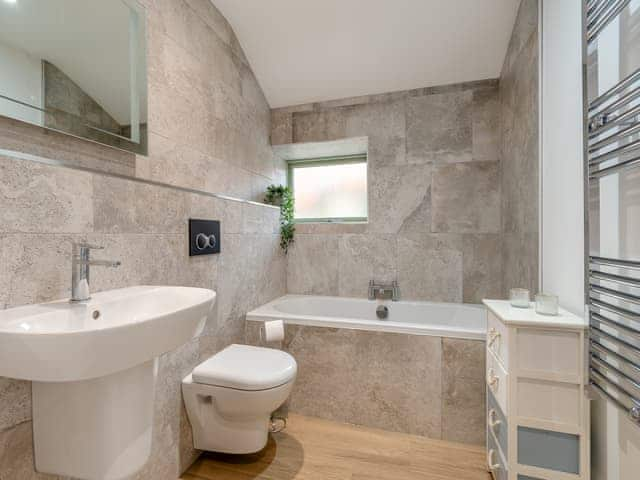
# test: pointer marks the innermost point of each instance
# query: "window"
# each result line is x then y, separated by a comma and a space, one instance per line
329, 189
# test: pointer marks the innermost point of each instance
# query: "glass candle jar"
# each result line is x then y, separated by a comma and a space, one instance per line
547, 304
519, 297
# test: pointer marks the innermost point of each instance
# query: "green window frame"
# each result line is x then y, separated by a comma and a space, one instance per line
326, 161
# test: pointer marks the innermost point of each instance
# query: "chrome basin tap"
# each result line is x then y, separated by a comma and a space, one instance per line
80, 291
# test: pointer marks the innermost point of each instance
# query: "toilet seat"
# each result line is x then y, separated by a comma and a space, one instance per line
248, 368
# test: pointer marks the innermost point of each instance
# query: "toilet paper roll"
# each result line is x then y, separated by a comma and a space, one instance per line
273, 331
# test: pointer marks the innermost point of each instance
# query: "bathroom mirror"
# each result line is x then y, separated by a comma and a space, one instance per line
76, 66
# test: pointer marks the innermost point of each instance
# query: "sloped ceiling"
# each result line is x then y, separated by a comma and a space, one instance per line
313, 50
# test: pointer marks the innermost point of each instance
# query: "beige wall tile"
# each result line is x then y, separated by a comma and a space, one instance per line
362, 258
181, 166
16, 454
324, 387
400, 199
41, 198
482, 267
5, 280
439, 127
363, 393
175, 115
253, 271
464, 358
486, 125
463, 390
428, 271
37, 267
115, 205
259, 219
463, 410
172, 443
519, 152
412, 401
331, 228
16, 399
281, 128
466, 198
385, 125
312, 265
520, 254
318, 126
232, 215
213, 19
520, 146
525, 25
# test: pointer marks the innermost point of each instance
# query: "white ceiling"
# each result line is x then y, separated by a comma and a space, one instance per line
313, 50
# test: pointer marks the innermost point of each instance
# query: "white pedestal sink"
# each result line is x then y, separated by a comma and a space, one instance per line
93, 367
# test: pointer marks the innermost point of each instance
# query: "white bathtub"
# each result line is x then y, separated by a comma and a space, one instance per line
418, 318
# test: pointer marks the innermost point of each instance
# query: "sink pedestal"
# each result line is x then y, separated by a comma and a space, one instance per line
97, 429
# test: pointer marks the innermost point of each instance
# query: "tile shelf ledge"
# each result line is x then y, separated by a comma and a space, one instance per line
60, 163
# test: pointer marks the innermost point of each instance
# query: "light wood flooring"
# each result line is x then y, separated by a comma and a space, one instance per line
314, 449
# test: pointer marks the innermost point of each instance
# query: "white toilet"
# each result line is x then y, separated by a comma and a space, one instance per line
230, 397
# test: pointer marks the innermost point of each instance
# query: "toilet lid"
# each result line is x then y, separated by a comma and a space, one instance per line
244, 367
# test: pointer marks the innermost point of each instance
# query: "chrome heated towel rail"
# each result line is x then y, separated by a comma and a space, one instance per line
612, 186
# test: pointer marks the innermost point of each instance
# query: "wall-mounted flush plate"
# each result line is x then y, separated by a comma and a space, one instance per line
204, 237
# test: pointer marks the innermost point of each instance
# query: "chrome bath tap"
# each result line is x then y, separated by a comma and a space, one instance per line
384, 291
80, 291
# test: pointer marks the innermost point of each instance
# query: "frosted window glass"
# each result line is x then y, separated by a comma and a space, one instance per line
330, 191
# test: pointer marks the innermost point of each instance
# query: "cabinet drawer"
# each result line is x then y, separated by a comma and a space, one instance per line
497, 382
497, 344
549, 450
495, 462
497, 424
548, 351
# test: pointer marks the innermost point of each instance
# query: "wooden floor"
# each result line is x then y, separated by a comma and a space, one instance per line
313, 449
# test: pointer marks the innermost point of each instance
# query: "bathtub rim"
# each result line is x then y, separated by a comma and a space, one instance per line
268, 312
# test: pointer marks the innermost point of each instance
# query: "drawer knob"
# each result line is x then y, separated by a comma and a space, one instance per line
492, 380
493, 420
492, 466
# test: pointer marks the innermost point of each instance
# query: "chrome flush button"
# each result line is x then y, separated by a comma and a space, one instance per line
203, 241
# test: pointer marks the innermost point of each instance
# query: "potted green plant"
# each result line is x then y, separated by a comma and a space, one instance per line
282, 196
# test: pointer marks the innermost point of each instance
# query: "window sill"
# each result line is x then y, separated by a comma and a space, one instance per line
331, 222
330, 227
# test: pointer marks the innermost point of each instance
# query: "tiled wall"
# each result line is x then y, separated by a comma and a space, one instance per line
417, 384
519, 152
209, 129
45, 208
434, 195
